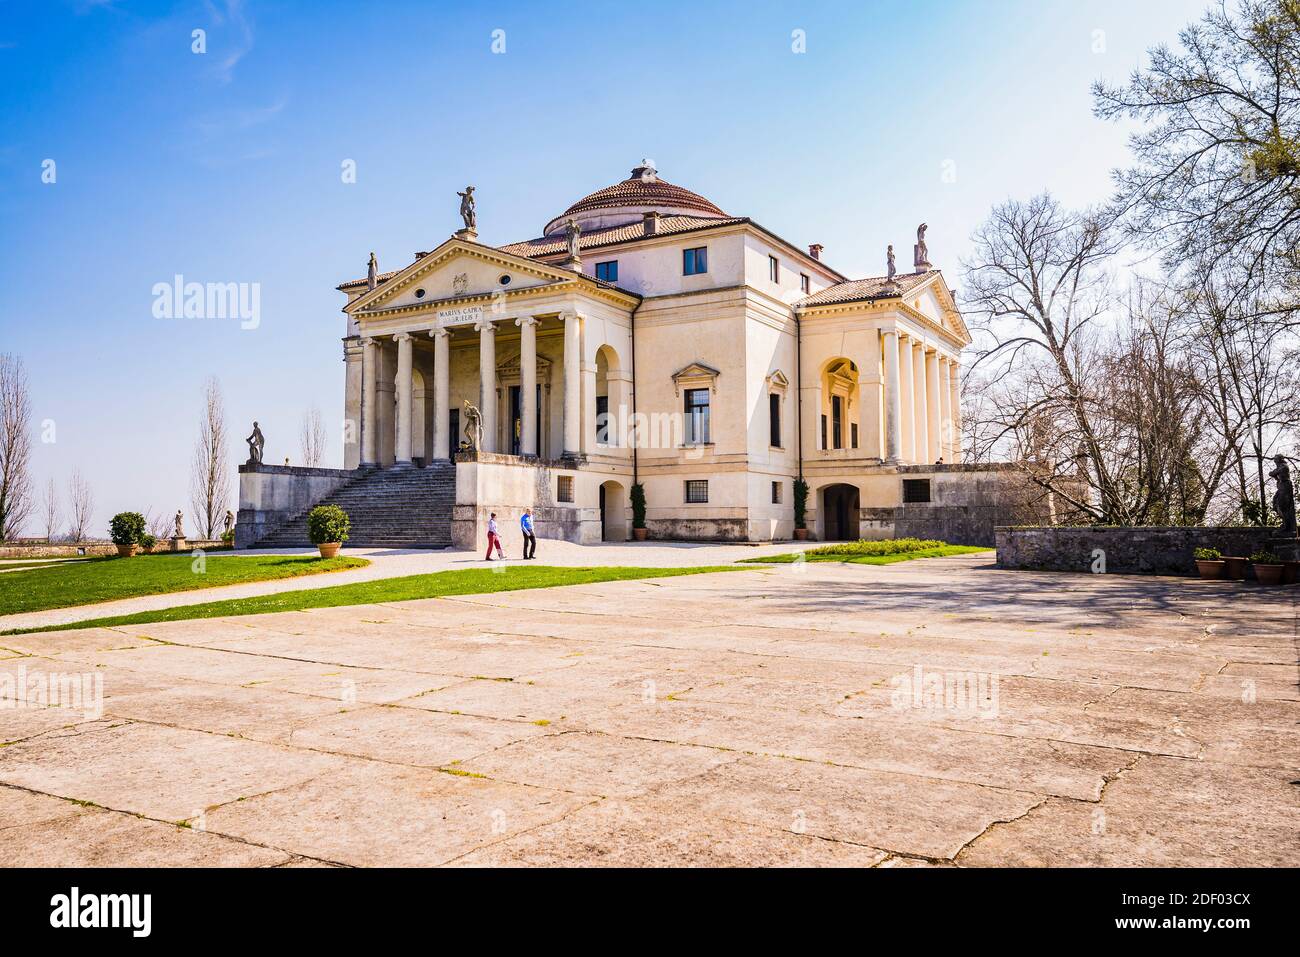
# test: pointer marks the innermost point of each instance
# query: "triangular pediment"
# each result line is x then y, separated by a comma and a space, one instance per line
935, 301
458, 270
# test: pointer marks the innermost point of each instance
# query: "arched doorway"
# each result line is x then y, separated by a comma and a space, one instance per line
840, 512
613, 513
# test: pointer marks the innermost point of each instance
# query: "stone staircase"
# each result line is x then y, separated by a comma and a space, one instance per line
393, 507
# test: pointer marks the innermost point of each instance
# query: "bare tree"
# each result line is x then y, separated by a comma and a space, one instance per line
312, 438
51, 510
209, 480
1038, 287
1217, 162
160, 524
81, 506
15, 446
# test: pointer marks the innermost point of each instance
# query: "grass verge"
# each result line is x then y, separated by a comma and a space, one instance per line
108, 579
473, 581
941, 551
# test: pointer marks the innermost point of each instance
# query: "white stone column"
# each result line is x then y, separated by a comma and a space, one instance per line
572, 384
934, 409
441, 393
527, 384
487, 379
954, 406
919, 414
893, 401
370, 401
945, 400
907, 399
402, 383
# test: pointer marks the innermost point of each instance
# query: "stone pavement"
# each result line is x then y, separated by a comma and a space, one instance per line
395, 562
758, 718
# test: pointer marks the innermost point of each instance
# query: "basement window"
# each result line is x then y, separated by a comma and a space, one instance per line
564, 488
916, 491
697, 491
776, 493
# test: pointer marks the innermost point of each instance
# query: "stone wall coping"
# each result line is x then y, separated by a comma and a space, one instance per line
1230, 529
303, 470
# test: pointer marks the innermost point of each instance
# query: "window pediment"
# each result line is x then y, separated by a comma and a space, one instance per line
694, 376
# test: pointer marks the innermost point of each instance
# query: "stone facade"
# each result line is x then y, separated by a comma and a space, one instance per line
1128, 551
689, 350
271, 494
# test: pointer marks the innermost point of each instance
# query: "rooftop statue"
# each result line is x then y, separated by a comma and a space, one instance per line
893, 270
572, 232
922, 251
467, 208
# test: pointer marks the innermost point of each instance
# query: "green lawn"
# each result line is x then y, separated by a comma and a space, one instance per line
107, 579
472, 581
941, 551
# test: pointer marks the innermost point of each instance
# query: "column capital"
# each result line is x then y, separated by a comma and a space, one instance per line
484, 325
438, 332
527, 321
569, 314
402, 337
369, 341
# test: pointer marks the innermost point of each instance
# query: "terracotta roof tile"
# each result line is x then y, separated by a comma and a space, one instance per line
637, 191
864, 289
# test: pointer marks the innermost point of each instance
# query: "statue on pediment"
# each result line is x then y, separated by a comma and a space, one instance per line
372, 273
572, 232
892, 269
467, 208
922, 251
473, 427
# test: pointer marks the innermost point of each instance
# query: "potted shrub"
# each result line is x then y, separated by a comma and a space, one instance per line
1268, 568
327, 527
147, 542
1234, 566
800, 509
126, 529
639, 531
1209, 562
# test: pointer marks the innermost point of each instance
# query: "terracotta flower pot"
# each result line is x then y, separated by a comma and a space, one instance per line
640, 533
1269, 574
800, 534
1234, 567
126, 551
1290, 573
1210, 569
329, 549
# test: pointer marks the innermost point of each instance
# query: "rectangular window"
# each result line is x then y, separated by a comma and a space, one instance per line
773, 269
805, 284
776, 493
837, 420
853, 432
824, 445
697, 491
607, 271
916, 490
774, 419
697, 416
602, 420
564, 488
695, 261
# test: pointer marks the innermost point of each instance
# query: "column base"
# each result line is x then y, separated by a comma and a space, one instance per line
403, 464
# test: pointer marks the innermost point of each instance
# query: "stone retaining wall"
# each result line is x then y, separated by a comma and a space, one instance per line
1130, 551
270, 495
96, 549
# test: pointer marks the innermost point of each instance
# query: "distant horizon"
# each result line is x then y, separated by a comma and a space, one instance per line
130, 160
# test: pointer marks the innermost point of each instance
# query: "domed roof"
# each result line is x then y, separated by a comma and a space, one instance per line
640, 193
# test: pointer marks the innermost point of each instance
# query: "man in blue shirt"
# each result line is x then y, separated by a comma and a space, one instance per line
530, 540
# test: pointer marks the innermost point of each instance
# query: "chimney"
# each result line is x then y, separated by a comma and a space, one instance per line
815, 251
651, 223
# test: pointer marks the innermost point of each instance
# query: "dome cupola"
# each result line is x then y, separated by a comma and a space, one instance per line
628, 201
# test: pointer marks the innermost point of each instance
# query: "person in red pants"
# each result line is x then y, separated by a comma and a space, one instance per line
493, 538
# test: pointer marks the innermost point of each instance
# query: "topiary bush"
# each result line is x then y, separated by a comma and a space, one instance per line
800, 503
327, 524
638, 505
126, 528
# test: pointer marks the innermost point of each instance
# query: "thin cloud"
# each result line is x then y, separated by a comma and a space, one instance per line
231, 14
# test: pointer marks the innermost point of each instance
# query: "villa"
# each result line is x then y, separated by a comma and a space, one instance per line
647, 337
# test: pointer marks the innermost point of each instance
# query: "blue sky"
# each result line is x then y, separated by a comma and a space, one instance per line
225, 166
